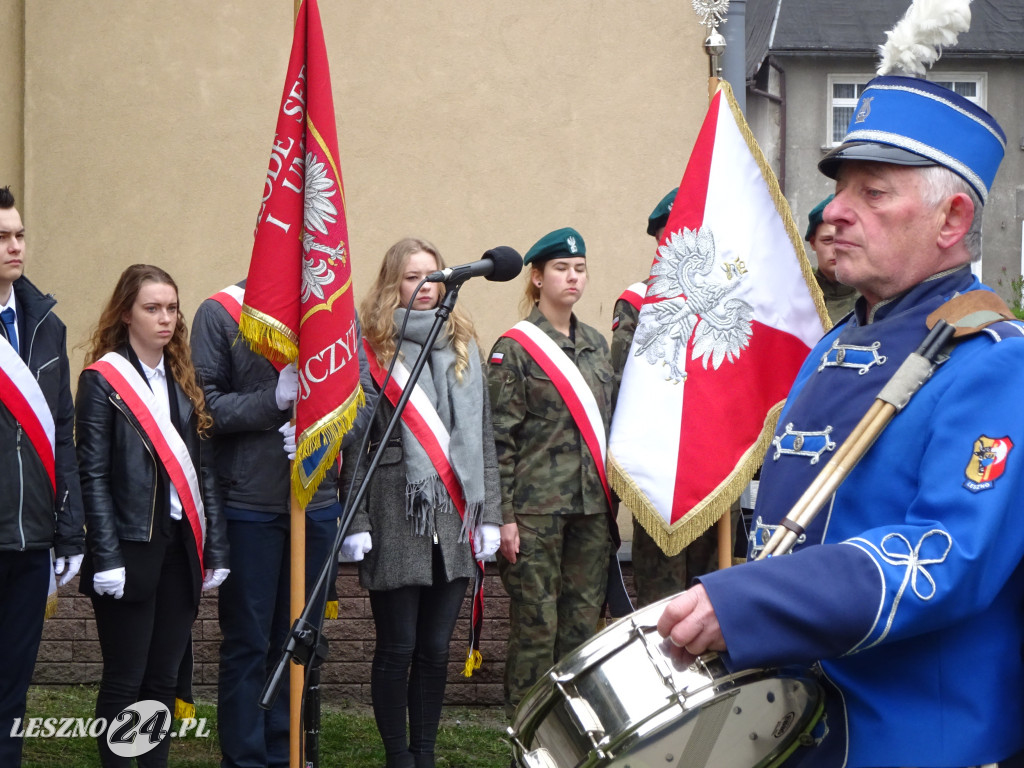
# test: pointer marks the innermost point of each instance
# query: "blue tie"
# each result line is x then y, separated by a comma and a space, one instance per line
10, 323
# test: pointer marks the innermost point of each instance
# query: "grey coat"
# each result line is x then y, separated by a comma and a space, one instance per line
400, 558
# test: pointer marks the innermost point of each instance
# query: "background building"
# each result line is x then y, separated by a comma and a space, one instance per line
808, 61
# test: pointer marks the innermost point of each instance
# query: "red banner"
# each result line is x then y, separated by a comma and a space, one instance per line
298, 298
730, 312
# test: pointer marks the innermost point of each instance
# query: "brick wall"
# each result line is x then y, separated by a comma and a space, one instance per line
70, 653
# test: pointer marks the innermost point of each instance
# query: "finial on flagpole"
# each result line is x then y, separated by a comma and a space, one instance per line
712, 13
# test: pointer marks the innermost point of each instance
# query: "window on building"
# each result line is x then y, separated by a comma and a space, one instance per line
845, 91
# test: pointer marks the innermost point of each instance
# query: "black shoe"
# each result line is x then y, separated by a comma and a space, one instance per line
401, 760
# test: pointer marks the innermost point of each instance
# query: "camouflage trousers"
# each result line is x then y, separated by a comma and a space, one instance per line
557, 589
656, 575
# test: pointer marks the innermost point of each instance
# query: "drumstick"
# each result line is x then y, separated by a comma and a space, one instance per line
909, 377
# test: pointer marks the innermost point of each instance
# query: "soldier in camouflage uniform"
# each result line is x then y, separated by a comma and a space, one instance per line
555, 542
655, 574
839, 299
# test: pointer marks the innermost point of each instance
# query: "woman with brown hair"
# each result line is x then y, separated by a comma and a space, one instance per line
154, 534
425, 505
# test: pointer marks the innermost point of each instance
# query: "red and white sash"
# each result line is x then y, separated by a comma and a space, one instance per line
21, 395
635, 295
420, 416
231, 299
170, 448
574, 391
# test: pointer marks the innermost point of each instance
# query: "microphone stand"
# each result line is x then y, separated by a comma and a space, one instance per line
304, 642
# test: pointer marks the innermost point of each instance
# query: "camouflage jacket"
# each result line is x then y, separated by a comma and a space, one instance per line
546, 469
839, 298
626, 317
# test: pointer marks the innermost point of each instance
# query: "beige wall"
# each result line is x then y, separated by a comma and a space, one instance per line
148, 126
12, 90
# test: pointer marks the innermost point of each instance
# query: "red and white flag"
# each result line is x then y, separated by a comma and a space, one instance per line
730, 313
298, 297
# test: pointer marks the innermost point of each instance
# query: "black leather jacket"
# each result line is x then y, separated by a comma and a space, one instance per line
31, 516
120, 474
239, 385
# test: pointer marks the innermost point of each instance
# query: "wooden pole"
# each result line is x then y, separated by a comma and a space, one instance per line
725, 521
296, 676
298, 601
297, 581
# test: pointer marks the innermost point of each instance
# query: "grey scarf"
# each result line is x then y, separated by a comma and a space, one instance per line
459, 404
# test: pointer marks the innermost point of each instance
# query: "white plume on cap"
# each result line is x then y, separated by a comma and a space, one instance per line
916, 42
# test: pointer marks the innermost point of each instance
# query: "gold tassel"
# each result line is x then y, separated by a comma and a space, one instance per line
51, 605
473, 661
331, 609
183, 710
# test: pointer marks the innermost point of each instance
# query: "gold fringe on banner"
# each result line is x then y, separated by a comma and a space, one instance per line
328, 431
266, 336
672, 539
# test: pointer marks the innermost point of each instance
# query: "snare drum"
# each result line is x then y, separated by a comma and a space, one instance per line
622, 699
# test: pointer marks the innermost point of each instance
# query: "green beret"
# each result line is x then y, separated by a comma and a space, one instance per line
814, 217
659, 216
562, 243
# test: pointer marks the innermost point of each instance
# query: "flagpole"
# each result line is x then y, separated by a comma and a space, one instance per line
280, 307
714, 46
296, 676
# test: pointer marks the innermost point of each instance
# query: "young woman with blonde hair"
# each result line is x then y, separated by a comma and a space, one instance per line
425, 506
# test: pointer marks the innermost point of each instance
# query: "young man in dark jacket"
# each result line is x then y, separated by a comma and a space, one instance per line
40, 497
249, 401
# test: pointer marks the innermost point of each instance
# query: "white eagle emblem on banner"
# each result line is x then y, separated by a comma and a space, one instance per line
684, 275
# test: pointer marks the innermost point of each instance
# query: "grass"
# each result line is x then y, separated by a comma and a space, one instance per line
469, 737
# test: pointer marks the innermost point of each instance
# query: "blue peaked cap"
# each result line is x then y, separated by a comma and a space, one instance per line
910, 121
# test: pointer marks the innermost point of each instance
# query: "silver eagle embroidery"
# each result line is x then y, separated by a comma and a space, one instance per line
695, 305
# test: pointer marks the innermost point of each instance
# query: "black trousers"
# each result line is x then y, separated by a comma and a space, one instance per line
410, 664
143, 643
24, 579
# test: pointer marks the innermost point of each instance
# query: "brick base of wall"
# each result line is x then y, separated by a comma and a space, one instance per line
70, 650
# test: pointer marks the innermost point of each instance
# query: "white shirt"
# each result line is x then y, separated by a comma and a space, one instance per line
157, 379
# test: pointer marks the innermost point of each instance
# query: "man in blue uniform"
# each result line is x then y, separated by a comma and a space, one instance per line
908, 586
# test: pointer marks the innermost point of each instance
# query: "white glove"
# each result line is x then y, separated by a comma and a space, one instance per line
214, 577
287, 387
356, 545
109, 582
288, 430
486, 540
73, 562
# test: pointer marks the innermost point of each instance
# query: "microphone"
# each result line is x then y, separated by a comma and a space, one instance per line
499, 264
